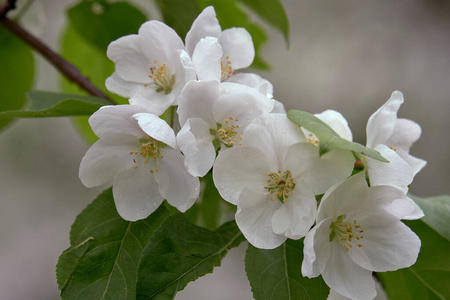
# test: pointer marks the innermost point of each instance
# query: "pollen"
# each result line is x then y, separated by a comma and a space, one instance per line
280, 185
393, 148
312, 138
227, 70
347, 232
148, 153
160, 76
227, 133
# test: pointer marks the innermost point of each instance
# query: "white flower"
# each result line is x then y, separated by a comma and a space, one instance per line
358, 230
214, 114
148, 67
274, 177
384, 128
138, 151
217, 54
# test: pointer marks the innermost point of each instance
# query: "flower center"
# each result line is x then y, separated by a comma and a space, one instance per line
312, 138
393, 148
280, 185
348, 232
160, 75
227, 70
227, 133
150, 150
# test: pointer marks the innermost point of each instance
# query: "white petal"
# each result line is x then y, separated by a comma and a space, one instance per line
115, 84
195, 141
107, 157
415, 163
136, 193
254, 81
156, 103
381, 123
206, 58
156, 128
337, 122
346, 277
316, 249
197, 100
237, 44
254, 216
396, 173
296, 216
388, 244
344, 197
320, 173
273, 134
116, 119
238, 168
177, 186
406, 133
278, 108
206, 24
161, 35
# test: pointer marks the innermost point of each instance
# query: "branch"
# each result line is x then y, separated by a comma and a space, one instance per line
66, 68
7, 6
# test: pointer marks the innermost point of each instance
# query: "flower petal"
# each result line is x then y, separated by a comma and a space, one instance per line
238, 168
254, 216
136, 194
396, 173
273, 134
161, 35
388, 244
156, 102
237, 47
254, 81
115, 84
175, 184
316, 250
106, 158
206, 58
197, 100
346, 277
381, 123
337, 122
206, 24
296, 216
320, 173
156, 128
195, 141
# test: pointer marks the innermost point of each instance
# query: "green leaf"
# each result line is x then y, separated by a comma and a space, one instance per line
16, 75
49, 104
179, 14
230, 15
272, 12
437, 213
328, 138
101, 22
105, 250
429, 277
211, 210
276, 274
180, 252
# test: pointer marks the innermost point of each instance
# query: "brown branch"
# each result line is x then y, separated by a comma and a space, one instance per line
65, 67
6, 7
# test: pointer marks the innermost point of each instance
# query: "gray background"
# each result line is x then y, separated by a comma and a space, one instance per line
344, 55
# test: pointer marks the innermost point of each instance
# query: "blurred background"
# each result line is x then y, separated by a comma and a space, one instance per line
346, 55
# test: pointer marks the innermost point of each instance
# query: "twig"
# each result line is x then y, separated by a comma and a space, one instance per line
7, 6
66, 68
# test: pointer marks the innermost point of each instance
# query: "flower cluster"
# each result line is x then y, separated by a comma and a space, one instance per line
267, 166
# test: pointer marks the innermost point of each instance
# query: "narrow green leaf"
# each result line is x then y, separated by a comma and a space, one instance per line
49, 104
180, 252
16, 75
230, 15
179, 14
272, 12
328, 138
429, 277
437, 213
105, 250
276, 274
